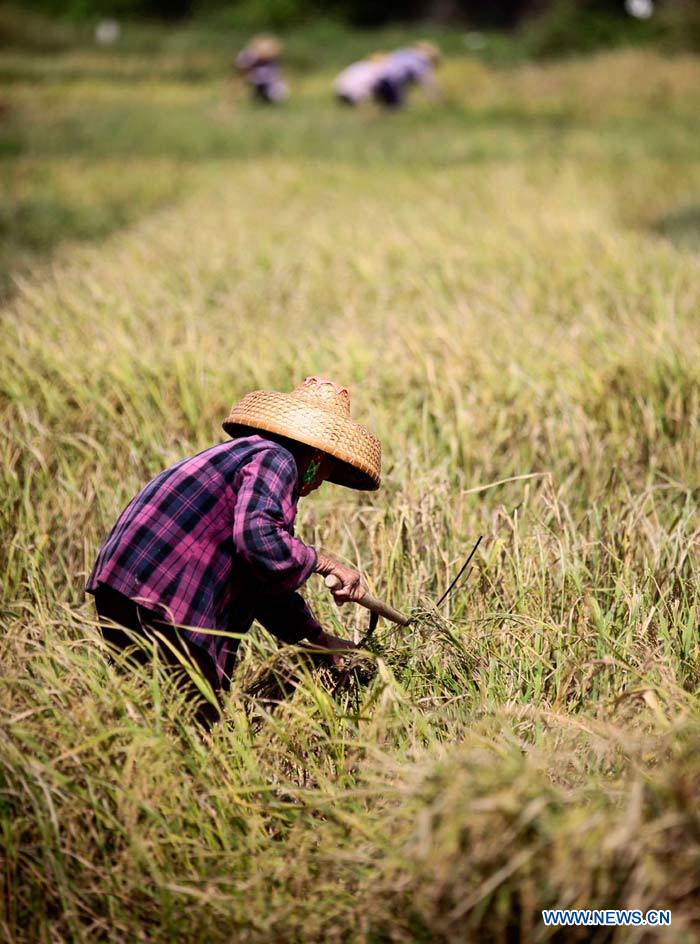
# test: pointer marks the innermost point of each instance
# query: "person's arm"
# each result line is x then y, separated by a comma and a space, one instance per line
350, 587
289, 619
427, 81
263, 521
244, 60
262, 530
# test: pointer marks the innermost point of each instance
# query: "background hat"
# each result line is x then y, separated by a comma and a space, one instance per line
430, 50
316, 413
266, 47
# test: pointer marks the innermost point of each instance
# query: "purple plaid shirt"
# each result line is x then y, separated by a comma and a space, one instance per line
210, 543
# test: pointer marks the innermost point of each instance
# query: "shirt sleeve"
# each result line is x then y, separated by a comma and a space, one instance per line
426, 78
288, 617
263, 522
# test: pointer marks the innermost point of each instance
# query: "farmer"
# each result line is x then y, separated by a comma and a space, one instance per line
209, 543
355, 84
405, 67
259, 65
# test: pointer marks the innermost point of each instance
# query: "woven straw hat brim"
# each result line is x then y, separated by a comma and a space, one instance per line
430, 50
266, 47
357, 451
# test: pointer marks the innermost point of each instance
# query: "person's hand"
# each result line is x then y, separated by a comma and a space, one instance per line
350, 587
337, 648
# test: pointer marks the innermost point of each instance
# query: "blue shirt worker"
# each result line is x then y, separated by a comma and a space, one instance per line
414, 65
355, 84
259, 65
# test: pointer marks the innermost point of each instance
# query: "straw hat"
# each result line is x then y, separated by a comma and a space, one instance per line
266, 47
430, 50
316, 413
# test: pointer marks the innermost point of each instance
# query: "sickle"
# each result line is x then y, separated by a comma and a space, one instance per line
375, 606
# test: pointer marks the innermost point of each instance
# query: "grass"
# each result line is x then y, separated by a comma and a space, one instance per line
508, 282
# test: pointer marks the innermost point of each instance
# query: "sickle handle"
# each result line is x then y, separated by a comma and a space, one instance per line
371, 603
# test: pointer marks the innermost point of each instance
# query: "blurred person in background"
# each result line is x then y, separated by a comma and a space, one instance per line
208, 545
356, 84
259, 65
414, 65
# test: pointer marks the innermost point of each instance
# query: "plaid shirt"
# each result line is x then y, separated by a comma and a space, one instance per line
210, 543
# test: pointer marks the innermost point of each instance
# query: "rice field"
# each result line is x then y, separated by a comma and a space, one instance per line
508, 281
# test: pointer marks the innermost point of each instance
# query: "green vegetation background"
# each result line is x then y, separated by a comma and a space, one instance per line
45, 151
